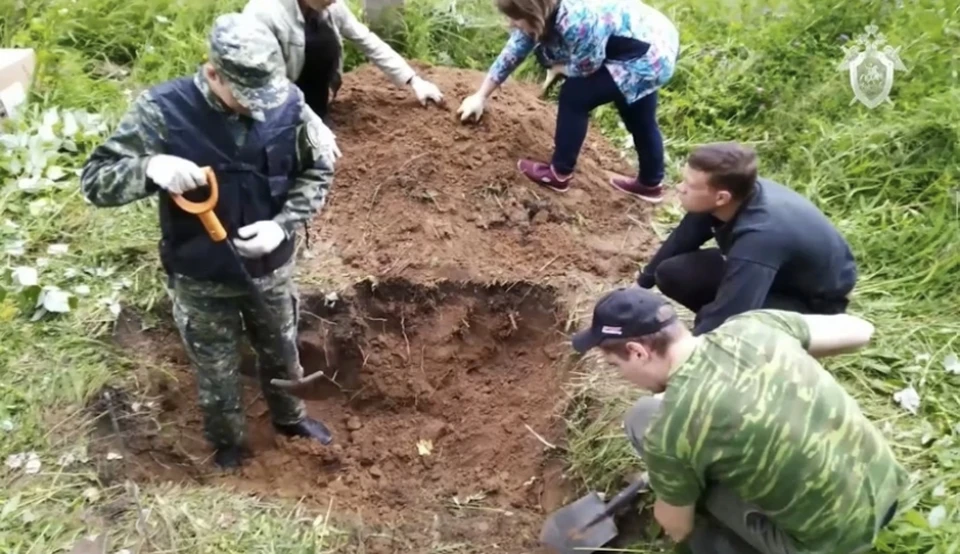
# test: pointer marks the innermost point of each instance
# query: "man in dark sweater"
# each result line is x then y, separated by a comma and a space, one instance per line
776, 249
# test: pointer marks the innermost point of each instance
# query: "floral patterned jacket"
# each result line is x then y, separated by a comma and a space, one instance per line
579, 37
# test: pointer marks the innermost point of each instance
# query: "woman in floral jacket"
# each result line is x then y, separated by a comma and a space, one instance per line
619, 51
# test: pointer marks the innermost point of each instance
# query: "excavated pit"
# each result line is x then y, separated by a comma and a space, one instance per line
443, 390
453, 365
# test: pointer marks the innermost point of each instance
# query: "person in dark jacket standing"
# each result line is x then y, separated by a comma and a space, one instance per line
240, 116
775, 249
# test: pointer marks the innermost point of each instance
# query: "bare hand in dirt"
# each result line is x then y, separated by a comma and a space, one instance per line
471, 107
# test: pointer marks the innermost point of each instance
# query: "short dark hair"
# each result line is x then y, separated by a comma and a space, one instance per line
731, 167
656, 342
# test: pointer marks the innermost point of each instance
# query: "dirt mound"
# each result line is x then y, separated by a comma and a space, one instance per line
450, 369
420, 195
440, 391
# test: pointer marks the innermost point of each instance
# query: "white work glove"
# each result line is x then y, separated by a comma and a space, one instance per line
175, 174
426, 91
263, 238
324, 140
472, 106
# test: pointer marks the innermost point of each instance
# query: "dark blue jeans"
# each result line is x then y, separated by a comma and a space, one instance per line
581, 95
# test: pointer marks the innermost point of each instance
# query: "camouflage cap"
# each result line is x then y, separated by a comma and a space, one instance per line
248, 57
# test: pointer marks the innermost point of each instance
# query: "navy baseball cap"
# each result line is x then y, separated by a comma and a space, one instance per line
624, 313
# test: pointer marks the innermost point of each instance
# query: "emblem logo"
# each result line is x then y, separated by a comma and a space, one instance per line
871, 63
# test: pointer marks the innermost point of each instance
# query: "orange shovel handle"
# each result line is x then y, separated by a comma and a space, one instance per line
204, 210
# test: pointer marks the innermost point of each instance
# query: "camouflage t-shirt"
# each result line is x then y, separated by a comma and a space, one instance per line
752, 410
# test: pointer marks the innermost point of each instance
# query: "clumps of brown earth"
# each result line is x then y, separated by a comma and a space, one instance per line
440, 393
453, 363
420, 195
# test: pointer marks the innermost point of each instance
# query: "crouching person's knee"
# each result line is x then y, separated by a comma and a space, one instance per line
638, 418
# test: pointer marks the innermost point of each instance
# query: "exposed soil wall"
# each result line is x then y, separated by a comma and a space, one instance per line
447, 341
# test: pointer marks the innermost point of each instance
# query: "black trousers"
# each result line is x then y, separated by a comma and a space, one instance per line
322, 52
579, 96
693, 280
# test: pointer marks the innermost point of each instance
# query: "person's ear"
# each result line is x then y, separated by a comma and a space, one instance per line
635, 349
723, 198
211, 73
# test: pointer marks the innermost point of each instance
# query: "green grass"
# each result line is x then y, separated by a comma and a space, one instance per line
758, 72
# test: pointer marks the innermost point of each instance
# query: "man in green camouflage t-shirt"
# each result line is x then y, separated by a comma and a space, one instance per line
751, 445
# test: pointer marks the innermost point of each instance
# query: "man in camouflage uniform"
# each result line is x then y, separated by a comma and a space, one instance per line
751, 446
273, 160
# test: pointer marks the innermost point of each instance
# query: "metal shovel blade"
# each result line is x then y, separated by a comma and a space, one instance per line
565, 531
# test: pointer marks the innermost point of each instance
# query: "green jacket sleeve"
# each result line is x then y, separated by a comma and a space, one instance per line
312, 185
116, 171
674, 481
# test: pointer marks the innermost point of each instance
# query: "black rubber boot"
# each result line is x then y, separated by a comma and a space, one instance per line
230, 457
308, 428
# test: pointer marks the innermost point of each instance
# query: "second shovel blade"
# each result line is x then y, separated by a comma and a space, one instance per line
564, 530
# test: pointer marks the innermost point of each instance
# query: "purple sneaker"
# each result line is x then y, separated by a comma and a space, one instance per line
632, 187
544, 175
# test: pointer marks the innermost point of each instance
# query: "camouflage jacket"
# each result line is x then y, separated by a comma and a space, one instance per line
115, 173
753, 411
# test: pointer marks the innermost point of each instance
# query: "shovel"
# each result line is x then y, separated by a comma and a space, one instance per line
211, 223
587, 524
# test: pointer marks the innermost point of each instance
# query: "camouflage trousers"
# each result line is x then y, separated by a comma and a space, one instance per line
213, 319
